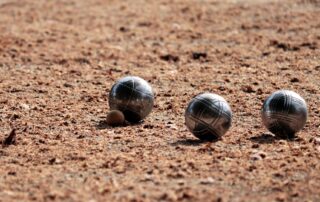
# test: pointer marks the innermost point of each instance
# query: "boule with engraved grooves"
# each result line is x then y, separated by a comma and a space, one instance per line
284, 113
208, 116
133, 96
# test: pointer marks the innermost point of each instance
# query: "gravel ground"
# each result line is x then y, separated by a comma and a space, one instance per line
59, 59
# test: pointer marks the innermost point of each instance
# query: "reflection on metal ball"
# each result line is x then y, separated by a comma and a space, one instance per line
133, 96
284, 113
208, 116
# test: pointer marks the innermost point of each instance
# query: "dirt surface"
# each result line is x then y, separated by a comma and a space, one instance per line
59, 59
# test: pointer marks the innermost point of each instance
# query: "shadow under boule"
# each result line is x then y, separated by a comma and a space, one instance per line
266, 138
102, 125
192, 142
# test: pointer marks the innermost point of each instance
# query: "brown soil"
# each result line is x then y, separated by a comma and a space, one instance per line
59, 59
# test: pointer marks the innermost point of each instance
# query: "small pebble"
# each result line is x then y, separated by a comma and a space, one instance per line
208, 180
255, 157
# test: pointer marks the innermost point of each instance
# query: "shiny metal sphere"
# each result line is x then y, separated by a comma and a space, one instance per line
208, 116
133, 96
284, 113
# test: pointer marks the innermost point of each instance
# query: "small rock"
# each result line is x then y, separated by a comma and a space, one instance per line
67, 85
11, 139
248, 89
13, 173
208, 180
169, 196
316, 141
255, 157
263, 155
172, 126
294, 80
82, 60
123, 29
25, 106
259, 91
221, 88
170, 58
55, 161
198, 55
15, 117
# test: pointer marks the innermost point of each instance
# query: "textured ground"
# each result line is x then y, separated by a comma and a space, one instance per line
58, 60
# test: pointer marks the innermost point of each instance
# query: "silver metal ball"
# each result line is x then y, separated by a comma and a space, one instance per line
208, 116
133, 96
284, 113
